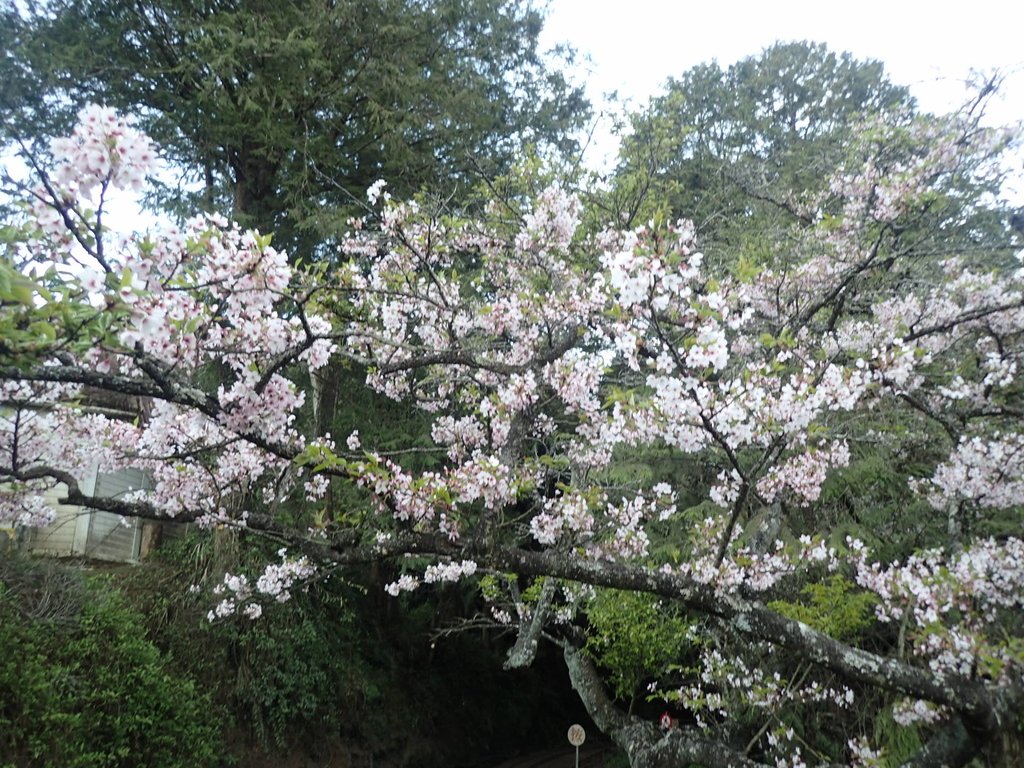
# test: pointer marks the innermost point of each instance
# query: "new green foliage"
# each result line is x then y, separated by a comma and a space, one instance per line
634, 636
834, 606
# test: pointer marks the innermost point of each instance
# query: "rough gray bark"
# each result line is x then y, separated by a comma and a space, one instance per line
525, 649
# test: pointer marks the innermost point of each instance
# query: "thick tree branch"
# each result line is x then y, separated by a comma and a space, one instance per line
158, 387
643, 742
986, 707
522, 653
469, 360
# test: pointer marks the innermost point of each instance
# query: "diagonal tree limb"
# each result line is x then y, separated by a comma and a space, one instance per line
644, 744
525, 648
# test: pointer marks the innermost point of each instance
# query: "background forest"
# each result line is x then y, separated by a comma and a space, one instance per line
281, 116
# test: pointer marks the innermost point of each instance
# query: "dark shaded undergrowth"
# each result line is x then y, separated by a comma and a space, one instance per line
118, 667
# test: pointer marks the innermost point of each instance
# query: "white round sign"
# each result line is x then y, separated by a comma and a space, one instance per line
577, 735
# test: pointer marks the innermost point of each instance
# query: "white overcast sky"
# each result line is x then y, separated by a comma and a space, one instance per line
634, 46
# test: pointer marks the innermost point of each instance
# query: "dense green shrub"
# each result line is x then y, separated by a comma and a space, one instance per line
82, 687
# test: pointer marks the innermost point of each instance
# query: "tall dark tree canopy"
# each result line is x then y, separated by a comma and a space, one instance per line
285, 111
749, 153
723, 145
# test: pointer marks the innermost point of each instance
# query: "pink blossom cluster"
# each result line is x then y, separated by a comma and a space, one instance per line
103, 151
450, 571
277, 581
435, 500
461, 436
803, 474
863, 756
722, 682
908, 712
211, 291
552, 222
604, 529
669, 311
177, 300
20, 510
405, 583
567, 513
171, 448
985, 471
952, 603
104, 148
31, 414
414, 298
738, 568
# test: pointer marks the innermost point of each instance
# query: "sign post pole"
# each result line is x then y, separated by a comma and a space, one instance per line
576, 737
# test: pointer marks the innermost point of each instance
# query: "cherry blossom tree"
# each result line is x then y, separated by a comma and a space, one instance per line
544, 356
